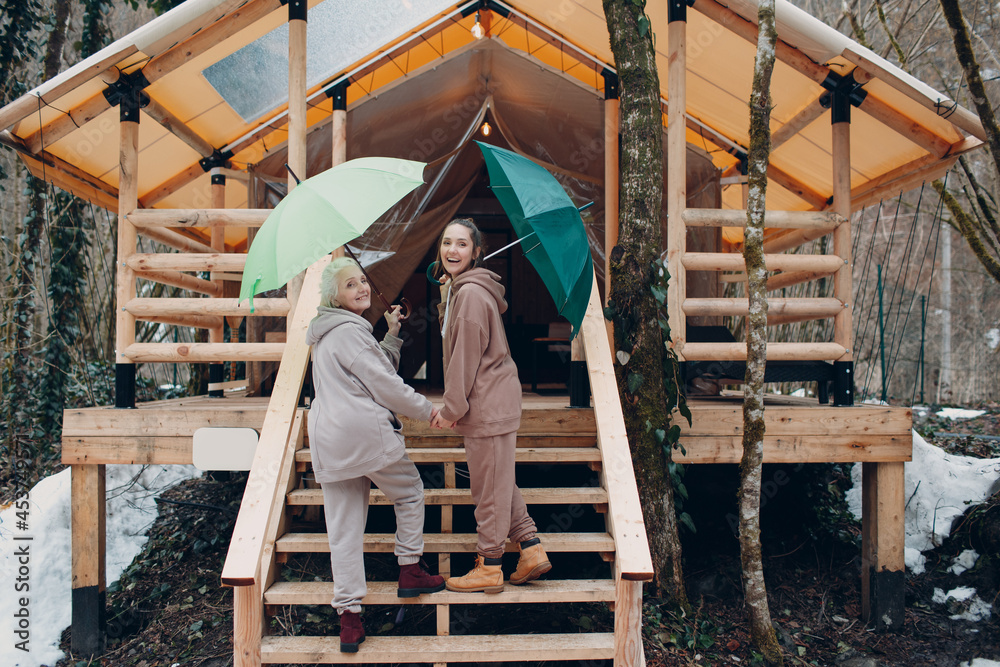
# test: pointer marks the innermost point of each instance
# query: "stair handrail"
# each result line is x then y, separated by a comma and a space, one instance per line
242, 566
632, 558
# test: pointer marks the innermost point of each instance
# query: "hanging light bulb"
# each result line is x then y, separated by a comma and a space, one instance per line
486, 129
477, 29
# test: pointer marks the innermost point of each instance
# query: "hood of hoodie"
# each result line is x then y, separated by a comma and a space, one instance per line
487, 280
328, 319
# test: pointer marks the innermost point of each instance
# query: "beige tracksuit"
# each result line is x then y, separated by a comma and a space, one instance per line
356, 439
482, 394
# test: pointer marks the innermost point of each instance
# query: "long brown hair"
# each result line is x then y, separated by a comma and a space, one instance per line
477, 245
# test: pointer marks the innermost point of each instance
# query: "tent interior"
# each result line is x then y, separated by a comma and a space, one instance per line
436, 117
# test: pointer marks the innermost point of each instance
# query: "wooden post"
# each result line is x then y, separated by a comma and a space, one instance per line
883, 535
841, 116
443, 611
88, 558
339, 133
128, 200
296, 114
628, 624
676, 170
248, 625
217, 334
612, 117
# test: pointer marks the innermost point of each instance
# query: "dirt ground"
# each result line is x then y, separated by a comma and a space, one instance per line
168, 608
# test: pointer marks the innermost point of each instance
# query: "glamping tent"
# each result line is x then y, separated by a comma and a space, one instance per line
184, 127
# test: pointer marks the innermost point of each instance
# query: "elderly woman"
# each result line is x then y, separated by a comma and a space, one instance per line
356, 439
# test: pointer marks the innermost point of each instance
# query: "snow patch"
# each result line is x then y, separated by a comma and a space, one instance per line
963, 561
993, 338
939, 487
963, 601
959, 413
131, 510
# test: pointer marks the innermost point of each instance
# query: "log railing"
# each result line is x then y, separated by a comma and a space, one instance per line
797, 227
176, 269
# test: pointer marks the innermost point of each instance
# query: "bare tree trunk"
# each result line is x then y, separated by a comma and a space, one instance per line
761, 631
637, 332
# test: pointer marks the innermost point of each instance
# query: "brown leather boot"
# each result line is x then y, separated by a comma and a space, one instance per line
532, 563
486, 577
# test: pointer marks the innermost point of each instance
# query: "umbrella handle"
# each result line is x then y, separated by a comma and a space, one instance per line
404, 309
430, 274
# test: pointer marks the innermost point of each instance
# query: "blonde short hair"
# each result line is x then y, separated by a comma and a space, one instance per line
329, 283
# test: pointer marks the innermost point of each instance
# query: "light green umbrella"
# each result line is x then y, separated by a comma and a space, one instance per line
323, 213
539, 208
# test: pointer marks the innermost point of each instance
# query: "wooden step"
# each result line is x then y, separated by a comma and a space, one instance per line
521, 455
448, 648
384, 592
539, 496
534, 441
447, 542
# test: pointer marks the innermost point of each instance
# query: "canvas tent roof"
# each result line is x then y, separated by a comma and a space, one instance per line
66, 129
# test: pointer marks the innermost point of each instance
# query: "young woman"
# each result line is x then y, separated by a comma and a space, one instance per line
482, 402
356, 439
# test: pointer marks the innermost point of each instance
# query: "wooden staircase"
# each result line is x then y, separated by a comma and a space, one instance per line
597, 521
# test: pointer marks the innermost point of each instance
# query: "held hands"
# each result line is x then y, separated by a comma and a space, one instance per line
392, 317
437, 421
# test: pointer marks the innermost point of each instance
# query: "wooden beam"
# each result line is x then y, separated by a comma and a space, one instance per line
172, 185
201, 352
797, 123
84, 188
176, 261
177, 240
816, 200
193, 321
825, 221
27, 104
74, 118
182, 280
915, 132
799, 448
731, 261
145, 218
273, 307
775, 351
787, 279
624, 517
178, 128
809, 308
901, 179
959, 116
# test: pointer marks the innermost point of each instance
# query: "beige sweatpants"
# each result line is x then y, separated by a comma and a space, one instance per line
500, 509
345, 505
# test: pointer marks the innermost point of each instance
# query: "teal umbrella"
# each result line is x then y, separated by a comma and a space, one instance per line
323, 213
549, 227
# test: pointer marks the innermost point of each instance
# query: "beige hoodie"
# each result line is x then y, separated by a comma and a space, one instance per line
482, 392
353, 429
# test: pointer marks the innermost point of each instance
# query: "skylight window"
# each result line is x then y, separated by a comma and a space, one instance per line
254, 79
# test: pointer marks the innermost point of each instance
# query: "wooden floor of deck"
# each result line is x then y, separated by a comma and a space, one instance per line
797, 429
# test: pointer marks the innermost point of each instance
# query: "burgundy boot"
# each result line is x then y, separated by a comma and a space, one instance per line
352, 632
415, 579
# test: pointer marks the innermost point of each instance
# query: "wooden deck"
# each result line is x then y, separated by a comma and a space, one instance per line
797, 430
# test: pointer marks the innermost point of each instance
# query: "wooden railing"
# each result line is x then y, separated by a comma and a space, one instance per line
174, 269
797, 227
